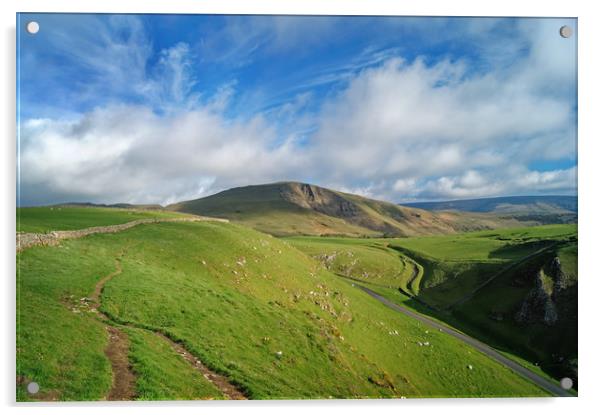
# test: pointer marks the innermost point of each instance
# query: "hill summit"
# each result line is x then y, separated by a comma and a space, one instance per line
293, 208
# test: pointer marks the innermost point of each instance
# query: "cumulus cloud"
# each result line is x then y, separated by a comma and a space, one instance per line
405, 120
399, 130
134, 155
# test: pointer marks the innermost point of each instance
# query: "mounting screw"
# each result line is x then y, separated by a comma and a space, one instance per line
566, 31
566, 383
32, 27
33, 388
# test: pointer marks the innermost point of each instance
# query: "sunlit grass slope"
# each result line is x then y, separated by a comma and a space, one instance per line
161, 373
454, 266
362, 259
439, 269
58, 218
252, 307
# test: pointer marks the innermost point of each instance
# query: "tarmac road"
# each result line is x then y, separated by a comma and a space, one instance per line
545, 384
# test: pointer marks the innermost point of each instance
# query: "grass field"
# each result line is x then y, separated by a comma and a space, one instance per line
162, 374
456, 264
250, 306
363, 259
497, 245
59, 218
438, 269
451, 267
499, 342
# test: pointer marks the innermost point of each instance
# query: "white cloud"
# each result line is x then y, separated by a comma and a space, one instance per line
514, 182
471, 132
405, 186
131, 154
549, 180
400, 130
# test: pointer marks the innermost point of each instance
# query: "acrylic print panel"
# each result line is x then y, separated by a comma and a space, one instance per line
295, 207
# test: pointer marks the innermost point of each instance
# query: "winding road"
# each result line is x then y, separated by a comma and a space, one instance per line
543, 383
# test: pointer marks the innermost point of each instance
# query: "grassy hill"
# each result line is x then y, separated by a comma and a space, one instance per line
453, 265
251, 307
528, 309
369, 260
59, 218
544, 209
532, 309
290, 208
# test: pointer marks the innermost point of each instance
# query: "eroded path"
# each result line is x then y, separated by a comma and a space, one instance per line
220, 382
124, 378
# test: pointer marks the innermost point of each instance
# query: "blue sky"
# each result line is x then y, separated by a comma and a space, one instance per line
160, 108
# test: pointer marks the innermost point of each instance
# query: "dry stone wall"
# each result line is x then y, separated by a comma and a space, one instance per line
27, 240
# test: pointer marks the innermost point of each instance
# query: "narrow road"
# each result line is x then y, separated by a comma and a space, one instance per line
545, 384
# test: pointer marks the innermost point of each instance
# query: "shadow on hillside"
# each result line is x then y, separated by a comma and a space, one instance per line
519, 250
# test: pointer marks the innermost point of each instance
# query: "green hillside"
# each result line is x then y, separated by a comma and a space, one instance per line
290, 208
456, 264
532, 309
363, 259
252, 308
59, 218
515, 289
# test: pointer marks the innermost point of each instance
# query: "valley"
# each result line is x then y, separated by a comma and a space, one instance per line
195, 308
512, 288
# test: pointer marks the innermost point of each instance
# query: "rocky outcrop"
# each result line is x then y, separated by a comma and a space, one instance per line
27, 240
541, 303
561, 280
319, 199
538, 305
